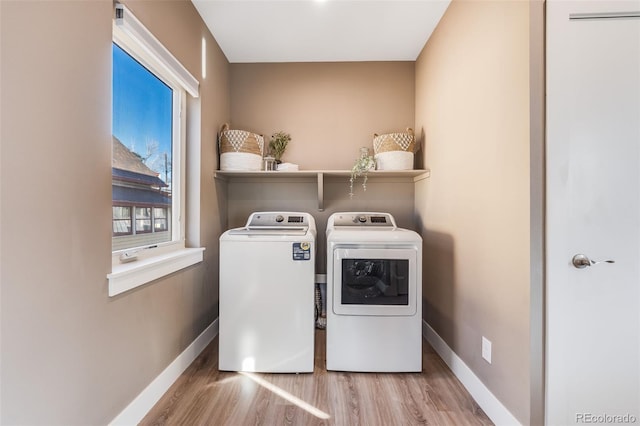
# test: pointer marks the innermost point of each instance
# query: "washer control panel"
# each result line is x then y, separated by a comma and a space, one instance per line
275, 219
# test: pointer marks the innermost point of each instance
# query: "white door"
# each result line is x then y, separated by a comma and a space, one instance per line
593, 192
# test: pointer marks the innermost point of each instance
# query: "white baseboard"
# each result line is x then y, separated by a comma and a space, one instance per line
498, 413
142, 404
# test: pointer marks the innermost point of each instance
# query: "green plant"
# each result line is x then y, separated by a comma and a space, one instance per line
361, 168
278, 144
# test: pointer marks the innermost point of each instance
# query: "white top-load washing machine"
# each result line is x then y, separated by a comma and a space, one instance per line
267, 295
374, 294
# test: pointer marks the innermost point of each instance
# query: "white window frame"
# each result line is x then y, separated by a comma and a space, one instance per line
138, 266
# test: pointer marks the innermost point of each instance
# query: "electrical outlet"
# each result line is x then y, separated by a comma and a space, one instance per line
486, 349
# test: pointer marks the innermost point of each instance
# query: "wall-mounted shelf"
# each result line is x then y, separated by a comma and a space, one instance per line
319, 176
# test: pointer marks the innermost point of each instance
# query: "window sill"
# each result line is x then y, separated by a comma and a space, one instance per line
127, 276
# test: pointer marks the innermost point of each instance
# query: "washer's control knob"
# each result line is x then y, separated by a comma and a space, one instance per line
279, 218
362, 219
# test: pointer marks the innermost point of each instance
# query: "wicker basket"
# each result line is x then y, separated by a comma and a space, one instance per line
240, 150
394, 151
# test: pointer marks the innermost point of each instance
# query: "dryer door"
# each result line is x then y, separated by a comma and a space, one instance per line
374, 281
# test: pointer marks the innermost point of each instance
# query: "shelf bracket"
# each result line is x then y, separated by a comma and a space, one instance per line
320, 192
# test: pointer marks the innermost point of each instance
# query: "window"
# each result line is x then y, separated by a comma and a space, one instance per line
150, 90
146, 115
160, 219
121, 220
143, 220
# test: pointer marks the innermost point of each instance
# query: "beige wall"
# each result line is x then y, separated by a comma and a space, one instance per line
70, 354
472, 109
393, 195
330, 109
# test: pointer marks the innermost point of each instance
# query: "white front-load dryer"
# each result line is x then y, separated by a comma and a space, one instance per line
267, 294
374, 294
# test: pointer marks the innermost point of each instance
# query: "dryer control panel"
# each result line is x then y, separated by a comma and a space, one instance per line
377, 220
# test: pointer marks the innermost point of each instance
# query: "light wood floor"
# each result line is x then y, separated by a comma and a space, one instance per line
205, 396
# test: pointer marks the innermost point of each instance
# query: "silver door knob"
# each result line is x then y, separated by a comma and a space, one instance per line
581, 261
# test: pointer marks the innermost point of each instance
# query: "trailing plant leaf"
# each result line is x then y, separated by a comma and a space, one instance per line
361, 168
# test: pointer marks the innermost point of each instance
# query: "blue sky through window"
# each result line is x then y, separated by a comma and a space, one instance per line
142, 111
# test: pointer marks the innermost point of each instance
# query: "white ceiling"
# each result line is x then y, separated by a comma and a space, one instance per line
321, 31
